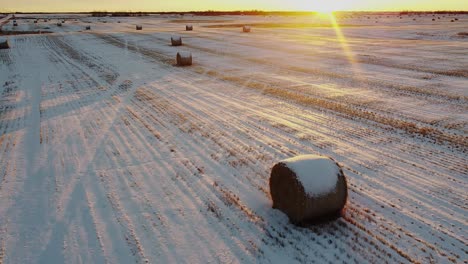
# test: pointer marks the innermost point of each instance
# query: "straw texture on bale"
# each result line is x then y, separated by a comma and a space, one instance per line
4, 45
188, 27
184, 58
176, 41
290, 196
139, 27
246, 29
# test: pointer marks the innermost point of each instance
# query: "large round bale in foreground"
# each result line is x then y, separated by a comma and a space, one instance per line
176, 41
4, 44
184, 58
188, 27
139, 27
308, 188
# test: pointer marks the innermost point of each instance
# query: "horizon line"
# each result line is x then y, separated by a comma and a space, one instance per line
224, 11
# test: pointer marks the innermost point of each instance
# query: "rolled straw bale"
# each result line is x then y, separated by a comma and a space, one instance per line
4, 44
184, 58
308, 188
176, 41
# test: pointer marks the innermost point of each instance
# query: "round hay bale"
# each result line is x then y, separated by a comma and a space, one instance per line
184, 58
15, 24
308, 188
452, 20
4, 45
139, 27
176, 41
189, 27
59, 24
35, 21
88, 27
246, 29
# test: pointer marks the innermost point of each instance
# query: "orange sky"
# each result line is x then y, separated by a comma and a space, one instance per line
188, 5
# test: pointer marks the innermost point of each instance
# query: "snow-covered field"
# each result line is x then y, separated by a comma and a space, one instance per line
111, 154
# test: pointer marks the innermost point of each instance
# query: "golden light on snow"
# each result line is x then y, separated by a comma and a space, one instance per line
342, 40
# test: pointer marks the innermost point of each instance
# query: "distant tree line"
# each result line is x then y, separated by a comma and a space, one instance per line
433, 12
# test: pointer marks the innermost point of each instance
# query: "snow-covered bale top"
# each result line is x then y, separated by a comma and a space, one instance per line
308, 188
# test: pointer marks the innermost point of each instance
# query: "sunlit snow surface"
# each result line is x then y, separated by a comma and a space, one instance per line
111, 154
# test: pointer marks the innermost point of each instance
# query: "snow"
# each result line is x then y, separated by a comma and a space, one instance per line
110, 154
317, 174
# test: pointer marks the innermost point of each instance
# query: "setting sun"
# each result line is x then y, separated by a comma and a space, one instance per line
325, 7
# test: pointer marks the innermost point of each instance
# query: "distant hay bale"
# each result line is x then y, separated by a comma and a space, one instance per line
433, 19
118, 21
59, 24
88, 27
4, 45
246, 29
139, 27
35, 21
184, 58
188, 27
15, 24
45, 20
452, 20
308, 188
176, 41
456, 19
63, 21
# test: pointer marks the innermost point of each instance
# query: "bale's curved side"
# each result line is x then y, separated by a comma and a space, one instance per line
184, 60
329, 205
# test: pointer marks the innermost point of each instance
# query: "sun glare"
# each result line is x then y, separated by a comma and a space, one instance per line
325, 7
